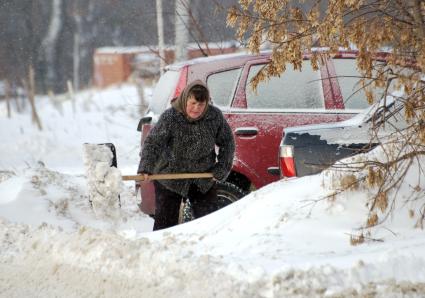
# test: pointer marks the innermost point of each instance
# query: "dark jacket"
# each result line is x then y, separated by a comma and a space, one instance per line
177, 144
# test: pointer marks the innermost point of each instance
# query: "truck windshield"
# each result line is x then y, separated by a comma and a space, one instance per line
163, 91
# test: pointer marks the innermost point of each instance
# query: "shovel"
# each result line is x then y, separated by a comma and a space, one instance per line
106, 153
168, 176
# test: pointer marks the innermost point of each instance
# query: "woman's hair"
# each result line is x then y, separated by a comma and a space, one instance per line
200, 93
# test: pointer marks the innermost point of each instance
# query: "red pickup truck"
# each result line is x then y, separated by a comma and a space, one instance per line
258, 118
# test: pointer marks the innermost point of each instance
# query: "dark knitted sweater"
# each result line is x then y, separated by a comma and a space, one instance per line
177, 145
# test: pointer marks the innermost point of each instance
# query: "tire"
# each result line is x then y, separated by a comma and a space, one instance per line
227, 193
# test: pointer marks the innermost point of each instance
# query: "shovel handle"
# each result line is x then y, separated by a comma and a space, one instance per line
168, 176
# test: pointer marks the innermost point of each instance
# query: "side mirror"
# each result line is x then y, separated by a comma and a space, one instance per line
144, 120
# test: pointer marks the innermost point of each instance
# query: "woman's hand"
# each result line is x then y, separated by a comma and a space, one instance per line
145, 176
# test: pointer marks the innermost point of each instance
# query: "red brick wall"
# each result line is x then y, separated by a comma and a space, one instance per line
111, 68
115, 67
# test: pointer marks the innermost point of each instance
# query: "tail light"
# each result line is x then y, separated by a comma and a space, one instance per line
181, 84
286, 161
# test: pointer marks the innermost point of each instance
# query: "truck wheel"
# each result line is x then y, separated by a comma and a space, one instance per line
227, 193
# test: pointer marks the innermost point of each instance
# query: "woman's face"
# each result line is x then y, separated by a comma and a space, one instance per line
194, 108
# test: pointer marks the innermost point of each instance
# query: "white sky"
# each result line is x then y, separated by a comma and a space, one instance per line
283, 240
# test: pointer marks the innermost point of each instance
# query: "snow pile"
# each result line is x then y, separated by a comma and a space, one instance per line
289, 250
407, 182
103, 180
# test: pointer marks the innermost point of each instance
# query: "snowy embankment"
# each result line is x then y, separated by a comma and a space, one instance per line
283, 240
250, 249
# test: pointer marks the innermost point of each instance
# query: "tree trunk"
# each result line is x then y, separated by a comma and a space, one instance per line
7, 94
144, 105
182, 29
77, 13
30, 89
76, 54
48, 44
71, 95
160, 24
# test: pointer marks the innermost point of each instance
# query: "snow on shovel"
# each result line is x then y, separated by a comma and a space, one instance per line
105, 180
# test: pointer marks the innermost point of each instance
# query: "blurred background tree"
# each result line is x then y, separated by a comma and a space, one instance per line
53, 35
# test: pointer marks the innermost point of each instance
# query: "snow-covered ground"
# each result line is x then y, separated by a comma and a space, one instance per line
283, 240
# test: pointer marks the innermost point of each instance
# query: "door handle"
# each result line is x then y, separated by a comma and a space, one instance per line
246, 131
275, 171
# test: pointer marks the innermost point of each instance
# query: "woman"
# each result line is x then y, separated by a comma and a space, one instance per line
184, 141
